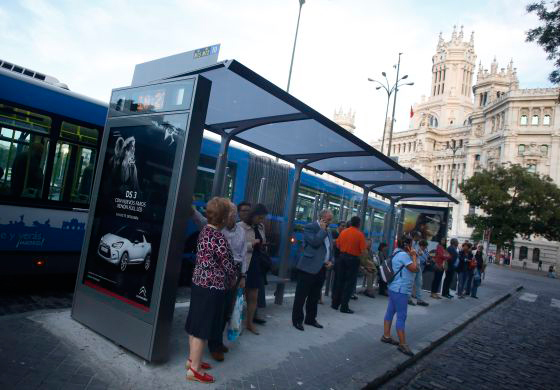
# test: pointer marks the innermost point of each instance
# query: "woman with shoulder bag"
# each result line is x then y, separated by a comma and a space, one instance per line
440, 260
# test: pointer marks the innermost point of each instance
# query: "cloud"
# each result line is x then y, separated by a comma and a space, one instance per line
93, 46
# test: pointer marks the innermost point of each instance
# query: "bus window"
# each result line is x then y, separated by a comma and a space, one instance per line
78, 133
60, 170
205, 178
83, 177
22, 159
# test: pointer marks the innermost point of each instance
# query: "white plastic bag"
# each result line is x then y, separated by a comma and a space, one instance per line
236, 321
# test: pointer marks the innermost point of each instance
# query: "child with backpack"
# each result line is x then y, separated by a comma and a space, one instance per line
398, 272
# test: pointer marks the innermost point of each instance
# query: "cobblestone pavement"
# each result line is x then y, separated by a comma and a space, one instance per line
514, 346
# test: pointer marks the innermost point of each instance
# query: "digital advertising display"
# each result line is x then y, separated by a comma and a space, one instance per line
429, 222
131, 203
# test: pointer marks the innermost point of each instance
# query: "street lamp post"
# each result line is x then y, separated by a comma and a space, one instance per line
301, 3
389, 90
454, 148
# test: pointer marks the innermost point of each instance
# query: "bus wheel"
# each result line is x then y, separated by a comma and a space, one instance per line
147, 262
124, 261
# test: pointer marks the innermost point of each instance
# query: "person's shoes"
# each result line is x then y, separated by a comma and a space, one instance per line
461, 296
334, 307
314, 323
347, 311
369, 295
253, 330
354, 297
217, 356
383, 293
389, 340
411, 302
192, 375
203, 365
405, 349
298, 326
448, 296
422, 303
475, 297
259, 321
225, 349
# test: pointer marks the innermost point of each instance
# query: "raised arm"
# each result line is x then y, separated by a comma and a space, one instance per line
315, 239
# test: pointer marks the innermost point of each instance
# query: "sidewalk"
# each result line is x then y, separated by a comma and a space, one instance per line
48, 350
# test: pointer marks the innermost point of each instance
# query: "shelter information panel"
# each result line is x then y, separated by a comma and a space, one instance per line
130, 259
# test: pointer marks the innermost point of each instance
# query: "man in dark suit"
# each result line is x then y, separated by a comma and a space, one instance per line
317, 256
450, 268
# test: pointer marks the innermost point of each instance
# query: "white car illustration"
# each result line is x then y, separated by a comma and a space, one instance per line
127, 245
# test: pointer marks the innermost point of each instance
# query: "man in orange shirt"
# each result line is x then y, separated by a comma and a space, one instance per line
352, 244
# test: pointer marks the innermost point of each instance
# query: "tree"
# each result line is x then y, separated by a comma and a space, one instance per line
515, 203
548, 34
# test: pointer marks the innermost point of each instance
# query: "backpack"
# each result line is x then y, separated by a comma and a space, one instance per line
386, 270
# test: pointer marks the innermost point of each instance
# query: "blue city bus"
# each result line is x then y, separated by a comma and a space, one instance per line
49, 142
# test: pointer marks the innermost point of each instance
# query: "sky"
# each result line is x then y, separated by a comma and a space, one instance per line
92, 46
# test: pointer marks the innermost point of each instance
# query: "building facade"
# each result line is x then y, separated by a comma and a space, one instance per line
476, 119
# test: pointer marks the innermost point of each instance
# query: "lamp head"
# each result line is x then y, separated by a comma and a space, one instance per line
410, 83
405, 76
384, 74
370, 79
377, 87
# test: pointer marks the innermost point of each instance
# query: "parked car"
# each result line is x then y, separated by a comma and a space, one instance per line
127, 245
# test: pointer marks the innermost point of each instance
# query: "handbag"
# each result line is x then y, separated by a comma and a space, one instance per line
234, 325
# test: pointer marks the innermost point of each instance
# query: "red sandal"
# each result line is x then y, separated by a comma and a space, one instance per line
192, 375
203, 365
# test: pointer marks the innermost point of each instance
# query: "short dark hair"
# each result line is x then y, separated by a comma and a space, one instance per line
383, 245
342, 223
423, 243
355, 221
258, 209
404, 241
243, 203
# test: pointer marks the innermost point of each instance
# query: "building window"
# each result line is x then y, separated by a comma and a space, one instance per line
477, 157
520, 150
460, 143
546, 120
532, 168
433, 121
535, 120
523, 252
523, 120
536, 255
544, 150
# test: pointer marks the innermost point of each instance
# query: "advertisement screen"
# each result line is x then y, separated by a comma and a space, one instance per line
429, 222
129, 214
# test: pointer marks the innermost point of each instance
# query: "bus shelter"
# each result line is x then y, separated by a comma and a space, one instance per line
247, 108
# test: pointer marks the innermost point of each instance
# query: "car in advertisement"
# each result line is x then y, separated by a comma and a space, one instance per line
127, 245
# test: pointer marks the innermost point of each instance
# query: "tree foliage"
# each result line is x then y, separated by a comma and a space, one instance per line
548, 34
515, 202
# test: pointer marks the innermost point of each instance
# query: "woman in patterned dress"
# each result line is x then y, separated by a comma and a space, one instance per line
214, 272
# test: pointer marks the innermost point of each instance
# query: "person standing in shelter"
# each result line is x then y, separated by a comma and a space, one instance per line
317, 257
422, 255
405, 265
235, 236
214, 273
440, 259
252, 225
352, 244
454, 254
539, 268
382, 255
470, 269
330, 276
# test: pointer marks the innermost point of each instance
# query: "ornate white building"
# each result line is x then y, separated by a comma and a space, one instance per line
466, 126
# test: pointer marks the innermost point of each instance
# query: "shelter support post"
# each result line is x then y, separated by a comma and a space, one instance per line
387, 225
287, 234
363, 209
262, 190
220, 175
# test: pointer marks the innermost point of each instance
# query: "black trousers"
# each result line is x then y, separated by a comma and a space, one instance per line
216, 341
308, 292
447, 281
346, 274
382, 284
437, 280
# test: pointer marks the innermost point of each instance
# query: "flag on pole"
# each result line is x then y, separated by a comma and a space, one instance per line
411, 112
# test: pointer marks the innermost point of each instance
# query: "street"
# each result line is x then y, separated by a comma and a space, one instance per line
514, 346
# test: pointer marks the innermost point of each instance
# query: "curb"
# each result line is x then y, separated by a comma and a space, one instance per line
438, 337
